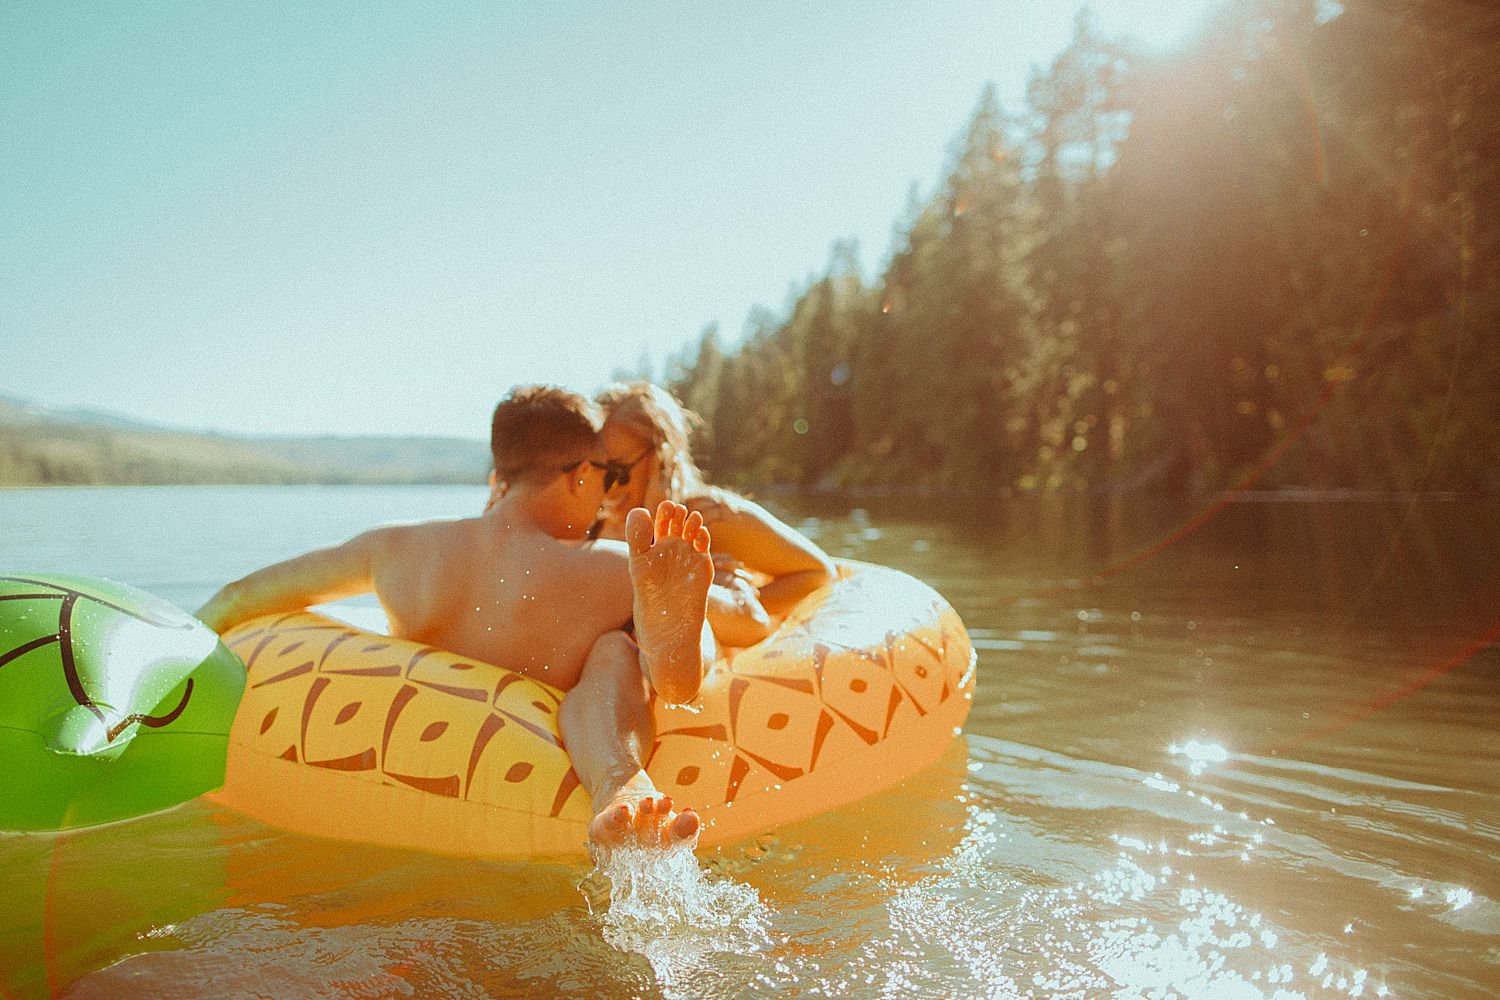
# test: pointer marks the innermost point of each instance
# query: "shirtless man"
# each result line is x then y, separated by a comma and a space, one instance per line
521, 586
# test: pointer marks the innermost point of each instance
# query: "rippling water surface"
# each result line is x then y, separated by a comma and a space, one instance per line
1221, 753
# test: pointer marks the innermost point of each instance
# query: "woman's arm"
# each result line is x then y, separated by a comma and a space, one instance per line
735, 612
767, 545
300, 582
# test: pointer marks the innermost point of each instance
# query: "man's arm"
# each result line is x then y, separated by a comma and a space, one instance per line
324, 575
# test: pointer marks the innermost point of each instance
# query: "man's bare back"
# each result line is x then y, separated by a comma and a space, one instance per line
501, 592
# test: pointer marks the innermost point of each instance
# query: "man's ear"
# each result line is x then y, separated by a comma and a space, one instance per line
497, 490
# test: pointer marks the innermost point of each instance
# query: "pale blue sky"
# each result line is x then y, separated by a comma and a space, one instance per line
339, 217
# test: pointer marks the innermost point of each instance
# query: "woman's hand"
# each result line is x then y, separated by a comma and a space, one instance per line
728, 569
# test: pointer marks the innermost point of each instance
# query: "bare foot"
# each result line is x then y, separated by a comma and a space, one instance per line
670, 571
638, 816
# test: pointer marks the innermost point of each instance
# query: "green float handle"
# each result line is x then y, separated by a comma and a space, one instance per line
113, 703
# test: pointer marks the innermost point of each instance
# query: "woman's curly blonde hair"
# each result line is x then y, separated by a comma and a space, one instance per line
651, 412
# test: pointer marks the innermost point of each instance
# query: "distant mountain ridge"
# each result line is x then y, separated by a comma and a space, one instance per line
42, 445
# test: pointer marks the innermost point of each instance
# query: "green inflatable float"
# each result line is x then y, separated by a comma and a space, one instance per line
113, 703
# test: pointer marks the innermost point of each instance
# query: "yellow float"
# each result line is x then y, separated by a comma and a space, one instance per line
353, 735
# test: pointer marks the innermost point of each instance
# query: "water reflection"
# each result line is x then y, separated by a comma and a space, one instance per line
1199, 755
1230, 770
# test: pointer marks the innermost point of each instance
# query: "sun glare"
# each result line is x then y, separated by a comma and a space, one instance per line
1160, 25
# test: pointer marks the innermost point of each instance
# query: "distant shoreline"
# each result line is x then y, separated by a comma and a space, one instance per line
44, 487
43, 447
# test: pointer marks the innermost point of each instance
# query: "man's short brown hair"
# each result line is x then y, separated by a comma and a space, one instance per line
538, 429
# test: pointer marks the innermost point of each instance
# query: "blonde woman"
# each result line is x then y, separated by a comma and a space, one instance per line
762, 566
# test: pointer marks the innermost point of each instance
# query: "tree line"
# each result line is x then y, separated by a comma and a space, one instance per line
1266, 259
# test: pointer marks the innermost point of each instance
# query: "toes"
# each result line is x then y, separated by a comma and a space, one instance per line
691, 526
639, 531
615, 823
670, 517
646, 822
700, 539
685, 826
643, 817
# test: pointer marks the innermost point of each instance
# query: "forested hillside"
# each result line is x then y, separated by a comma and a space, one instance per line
39, 447
1267, 259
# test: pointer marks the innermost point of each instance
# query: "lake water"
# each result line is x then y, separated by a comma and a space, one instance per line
1221, 751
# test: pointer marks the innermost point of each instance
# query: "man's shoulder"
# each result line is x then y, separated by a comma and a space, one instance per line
597, 556
439, 536
589, 571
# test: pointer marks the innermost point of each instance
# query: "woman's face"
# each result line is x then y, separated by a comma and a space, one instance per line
633, 455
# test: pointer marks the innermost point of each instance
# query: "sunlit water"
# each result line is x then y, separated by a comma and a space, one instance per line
1258, 760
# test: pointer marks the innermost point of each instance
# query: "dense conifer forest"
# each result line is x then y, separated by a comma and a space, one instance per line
1267, 259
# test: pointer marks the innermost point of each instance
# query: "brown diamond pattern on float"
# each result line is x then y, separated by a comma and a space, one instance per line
509, 764
773, 722
693, 763
279, 732
920, 673
432, 668
338, 730
423, 740
856, 686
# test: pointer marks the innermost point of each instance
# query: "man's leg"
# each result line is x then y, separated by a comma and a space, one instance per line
608, 730
606, 719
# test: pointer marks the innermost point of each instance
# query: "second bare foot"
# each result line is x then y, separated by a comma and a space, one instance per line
670, 572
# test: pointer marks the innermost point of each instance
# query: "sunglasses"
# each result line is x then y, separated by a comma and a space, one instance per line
589, 462
615, 473
618, 473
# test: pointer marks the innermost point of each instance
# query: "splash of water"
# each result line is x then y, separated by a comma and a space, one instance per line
661, 905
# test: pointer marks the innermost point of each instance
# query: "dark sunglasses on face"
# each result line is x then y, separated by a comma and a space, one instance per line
618, 473
590, 462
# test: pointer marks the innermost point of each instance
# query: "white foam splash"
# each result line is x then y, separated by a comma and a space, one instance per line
662, 906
